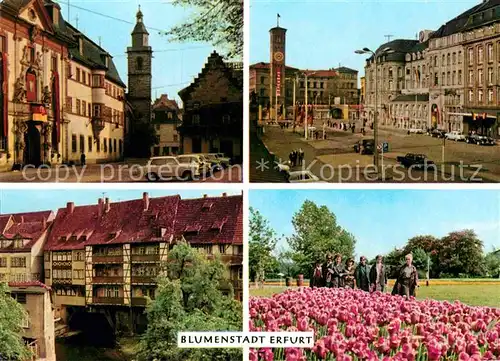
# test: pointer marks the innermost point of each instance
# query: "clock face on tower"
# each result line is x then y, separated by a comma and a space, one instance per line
278, 56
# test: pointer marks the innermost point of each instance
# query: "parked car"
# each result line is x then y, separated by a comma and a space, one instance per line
365, 146
198, 159
438, 133
215, 163
170, 167
416, 161
480, 139
416, 131
303, 176
455, 135
224, 161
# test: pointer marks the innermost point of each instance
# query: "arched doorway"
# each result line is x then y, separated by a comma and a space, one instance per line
32, 151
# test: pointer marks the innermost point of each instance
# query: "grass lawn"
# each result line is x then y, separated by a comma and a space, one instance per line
474, 295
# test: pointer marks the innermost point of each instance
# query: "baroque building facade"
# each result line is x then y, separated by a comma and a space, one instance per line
448, 79
61, 93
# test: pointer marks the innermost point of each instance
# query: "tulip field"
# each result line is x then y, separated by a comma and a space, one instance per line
354, 325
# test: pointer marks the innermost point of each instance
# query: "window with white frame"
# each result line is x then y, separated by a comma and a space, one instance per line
471, 56
471, 95
490, 53
480, 55
471, 77
490, 76
490, 96
480, 95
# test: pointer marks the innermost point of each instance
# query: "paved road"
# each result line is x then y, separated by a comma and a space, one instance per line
334, 160
104, 173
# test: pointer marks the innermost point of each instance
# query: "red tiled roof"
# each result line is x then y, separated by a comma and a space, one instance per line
164, 103
125, 222
29, 284
225, 212
27, 226
263, 65
203, 220
321, 73
33, 216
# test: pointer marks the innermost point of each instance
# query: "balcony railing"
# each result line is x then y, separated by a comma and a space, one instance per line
108, 300
107, 279
107, 259
232, 259
144, 279
145, 257
20, 277
139, 301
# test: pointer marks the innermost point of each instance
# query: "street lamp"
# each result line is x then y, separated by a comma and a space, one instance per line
306, 125
375, 119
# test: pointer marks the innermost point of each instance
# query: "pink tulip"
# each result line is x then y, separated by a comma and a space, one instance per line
320, 350
266, 354
253, 356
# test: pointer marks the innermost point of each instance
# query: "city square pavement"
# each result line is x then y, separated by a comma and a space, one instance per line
334, 159
128, 171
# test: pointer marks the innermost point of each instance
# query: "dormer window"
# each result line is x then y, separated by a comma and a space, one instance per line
112, 236
72, 239
18, 243
63, 238
206, 206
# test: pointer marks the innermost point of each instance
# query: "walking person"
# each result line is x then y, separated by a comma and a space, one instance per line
328, 271
339, 272
317, 278
378, 276
290, 156
407, 279
349, 279
83, 159
301, 156
362, 275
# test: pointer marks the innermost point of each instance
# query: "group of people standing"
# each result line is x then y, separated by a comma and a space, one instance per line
296, 157
335, 274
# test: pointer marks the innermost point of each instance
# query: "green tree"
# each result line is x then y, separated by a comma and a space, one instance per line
492, 263
189, 298
316, 234
461, 253
219, 22
261, 246
394, 260
12, 314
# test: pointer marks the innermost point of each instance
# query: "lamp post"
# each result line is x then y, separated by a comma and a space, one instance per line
306, 124
375, 119
294, 81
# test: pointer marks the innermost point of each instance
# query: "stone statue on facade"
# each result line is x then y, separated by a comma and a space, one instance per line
46, 95
19, 90
38, 60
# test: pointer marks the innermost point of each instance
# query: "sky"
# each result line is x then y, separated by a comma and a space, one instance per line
383, 219
16, 201
322, 34
175, 65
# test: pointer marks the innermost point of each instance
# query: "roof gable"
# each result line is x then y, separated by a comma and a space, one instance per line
33, 12
215, 74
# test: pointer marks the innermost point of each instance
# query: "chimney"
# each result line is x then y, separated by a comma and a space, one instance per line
22, 219
106, 205
100, 206
145, 200
44, 223
70, 207
224, 194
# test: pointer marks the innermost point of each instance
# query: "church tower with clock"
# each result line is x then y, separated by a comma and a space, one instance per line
277, 67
